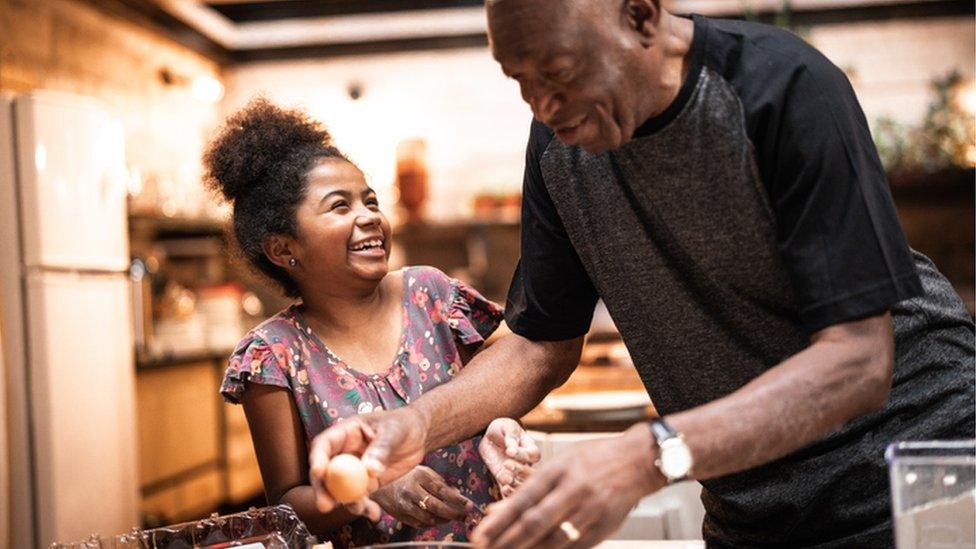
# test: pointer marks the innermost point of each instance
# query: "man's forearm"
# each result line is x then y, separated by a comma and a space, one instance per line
794, 404
505, 380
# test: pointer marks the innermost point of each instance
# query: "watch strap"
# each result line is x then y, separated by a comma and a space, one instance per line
662, 430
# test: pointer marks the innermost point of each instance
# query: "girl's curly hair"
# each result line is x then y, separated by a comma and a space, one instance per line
259, 161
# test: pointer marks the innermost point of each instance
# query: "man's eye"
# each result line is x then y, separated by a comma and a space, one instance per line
560, 76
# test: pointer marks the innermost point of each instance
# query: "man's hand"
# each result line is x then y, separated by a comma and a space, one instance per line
390, 444
593, 487
422, 498
509, 452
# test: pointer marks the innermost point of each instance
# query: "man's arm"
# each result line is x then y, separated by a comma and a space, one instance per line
507, 379
846, 372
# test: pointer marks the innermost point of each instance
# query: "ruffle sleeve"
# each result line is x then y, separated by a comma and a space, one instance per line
253, 361
472, 317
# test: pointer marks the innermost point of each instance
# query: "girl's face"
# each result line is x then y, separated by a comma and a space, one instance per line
343, 237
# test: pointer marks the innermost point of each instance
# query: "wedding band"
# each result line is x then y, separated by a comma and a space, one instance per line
572, 534
423, 502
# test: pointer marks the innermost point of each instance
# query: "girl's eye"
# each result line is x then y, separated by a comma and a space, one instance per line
372, 202
339, 204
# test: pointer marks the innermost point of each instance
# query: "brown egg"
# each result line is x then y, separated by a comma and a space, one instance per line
346, 479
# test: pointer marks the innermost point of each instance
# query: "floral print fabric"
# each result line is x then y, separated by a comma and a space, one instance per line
439, 314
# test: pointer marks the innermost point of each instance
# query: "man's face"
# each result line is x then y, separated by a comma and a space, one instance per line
572, 60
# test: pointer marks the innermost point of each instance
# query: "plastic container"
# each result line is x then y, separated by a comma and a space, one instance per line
933, 493
266, 528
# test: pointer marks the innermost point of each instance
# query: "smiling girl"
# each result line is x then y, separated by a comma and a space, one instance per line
359, 339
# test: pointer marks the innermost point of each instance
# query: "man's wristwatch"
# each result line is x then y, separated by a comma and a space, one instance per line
674, 457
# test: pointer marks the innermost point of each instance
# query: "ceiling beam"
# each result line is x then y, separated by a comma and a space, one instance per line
319, 51
244, 12
148, 14
292, 44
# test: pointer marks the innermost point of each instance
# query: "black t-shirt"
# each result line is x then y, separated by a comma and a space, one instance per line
836, 226
750, 214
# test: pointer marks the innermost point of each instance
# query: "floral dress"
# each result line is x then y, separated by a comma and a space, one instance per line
439, 314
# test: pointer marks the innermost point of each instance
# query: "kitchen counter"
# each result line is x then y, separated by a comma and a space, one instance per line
166, 360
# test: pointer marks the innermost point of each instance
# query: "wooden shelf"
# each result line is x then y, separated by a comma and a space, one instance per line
159, 226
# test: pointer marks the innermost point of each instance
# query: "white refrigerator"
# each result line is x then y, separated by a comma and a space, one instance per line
67, 330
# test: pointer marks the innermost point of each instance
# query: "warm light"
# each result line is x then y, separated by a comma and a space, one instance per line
207, 89
965, 96
252, 304
40, 157
135, 182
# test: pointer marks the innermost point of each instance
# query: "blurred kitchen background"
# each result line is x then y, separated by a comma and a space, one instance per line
110, 416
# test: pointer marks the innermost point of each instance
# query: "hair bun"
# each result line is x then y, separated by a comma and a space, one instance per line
254, 142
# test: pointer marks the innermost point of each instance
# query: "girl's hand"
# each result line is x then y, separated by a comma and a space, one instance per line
509, 452
422, 498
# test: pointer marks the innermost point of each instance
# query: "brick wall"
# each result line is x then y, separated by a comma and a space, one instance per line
70, 46
892, 63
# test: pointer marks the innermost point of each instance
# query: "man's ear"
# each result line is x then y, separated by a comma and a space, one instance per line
280, 250
643, 16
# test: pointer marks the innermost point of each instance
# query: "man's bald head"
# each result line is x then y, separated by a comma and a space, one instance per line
553, 10
582, 65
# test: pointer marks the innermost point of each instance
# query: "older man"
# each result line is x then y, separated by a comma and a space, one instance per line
715, 183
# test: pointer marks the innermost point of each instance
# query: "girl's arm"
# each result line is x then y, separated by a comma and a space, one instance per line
279, 442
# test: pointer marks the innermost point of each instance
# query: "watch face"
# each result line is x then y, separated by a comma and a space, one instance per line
675, 461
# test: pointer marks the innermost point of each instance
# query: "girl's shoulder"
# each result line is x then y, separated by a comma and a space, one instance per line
282, 326
471, 316
428, 279
260, 356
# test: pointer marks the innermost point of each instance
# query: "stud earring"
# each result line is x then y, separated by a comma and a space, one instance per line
293, 262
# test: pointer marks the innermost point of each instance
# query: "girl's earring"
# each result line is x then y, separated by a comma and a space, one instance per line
293, 262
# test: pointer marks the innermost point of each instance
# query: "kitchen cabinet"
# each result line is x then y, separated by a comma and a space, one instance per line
195, 451
179, 445
241, 464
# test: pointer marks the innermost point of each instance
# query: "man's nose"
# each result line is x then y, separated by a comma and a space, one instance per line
545, 102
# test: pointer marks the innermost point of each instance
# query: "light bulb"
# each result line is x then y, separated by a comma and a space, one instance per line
207, 89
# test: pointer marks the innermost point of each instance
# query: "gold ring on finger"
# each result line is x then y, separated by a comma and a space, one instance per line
423, 502
572, 534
